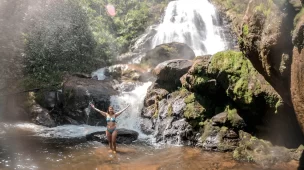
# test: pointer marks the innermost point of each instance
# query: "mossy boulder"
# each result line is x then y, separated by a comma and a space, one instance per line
263, 28
297, 69
197, 108
197, 78
252, 149
243, 84
217, 138
229, 118
168, 51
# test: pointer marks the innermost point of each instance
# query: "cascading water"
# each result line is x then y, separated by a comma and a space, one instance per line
193, 22
130, 119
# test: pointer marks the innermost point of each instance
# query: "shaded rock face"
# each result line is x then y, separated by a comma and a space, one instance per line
218, 97
141, 46
297, 71
78, 92
252, 149
163, 117
41, 116
169, 72
264, 38
38, 114
124, 136
168, 51
218, 138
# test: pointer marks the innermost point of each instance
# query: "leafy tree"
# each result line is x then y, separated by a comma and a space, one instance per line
59, 40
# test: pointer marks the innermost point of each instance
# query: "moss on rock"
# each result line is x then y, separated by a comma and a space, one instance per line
242, 82
252, 149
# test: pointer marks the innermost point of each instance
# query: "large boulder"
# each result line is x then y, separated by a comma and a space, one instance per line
168, 51
78, 92
168, 73
265, 39
172, 117
124, 136
297, 71
41, 116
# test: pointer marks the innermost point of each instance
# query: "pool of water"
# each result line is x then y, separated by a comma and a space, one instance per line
25, 150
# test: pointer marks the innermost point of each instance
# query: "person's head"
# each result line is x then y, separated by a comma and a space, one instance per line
110, 110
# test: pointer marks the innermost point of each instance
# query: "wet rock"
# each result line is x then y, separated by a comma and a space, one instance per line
220, 119
82, 75
41, 116
178, 107
140, 47
172, 131
127, 72
148, 112
154, 95
197, 70
146, 126
217, 138
78, 92
124, 136
297, 153
49, 99
168, 51
169, 73
297, 79
126, 86
259, 151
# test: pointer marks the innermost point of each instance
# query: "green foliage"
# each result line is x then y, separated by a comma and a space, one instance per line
264, 8
115, 34
170, 110
239, 72
79, 36
59, 40
197, 107
245, 30
298, 16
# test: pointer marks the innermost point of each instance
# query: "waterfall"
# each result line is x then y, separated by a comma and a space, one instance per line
193, 22
130, 119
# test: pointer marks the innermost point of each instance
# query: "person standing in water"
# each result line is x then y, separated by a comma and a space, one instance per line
111, 131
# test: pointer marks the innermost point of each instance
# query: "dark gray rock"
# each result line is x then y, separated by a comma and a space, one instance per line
147, 126
169, 73
234, 120
124, 136
78, 92
166, 52
41, 116
172, 131
178, 107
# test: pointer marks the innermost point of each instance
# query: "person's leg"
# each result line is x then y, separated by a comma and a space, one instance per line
109, 136
114, 135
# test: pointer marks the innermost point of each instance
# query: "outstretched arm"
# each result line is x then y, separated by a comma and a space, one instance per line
118, 113
101, 112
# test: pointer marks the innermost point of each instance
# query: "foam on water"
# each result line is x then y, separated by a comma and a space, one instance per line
99, 73
130, 119
65, 131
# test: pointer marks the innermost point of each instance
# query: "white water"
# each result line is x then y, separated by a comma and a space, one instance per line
66, 131
191, 22
130, 119
99, 73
